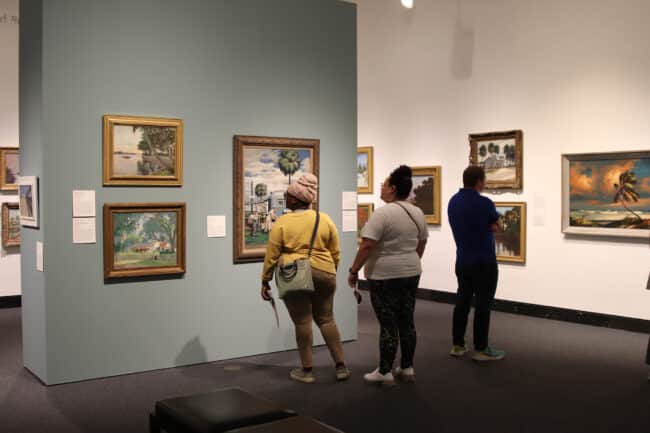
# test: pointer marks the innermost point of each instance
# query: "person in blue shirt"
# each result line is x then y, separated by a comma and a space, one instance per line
474, 219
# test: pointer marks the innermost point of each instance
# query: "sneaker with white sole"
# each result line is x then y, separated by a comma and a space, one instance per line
405, 374
380, 379
489, 354
458, 351
342, 373
300, 375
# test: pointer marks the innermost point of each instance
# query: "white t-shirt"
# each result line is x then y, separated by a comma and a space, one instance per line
397, 237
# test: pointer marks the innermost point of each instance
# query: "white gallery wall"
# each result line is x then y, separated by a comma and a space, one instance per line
9, 259
574, 75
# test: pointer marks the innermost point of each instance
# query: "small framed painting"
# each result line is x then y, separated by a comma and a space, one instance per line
9, 168
28, 200
144, 239
264, 168
606, 194
511, 239
10, 225
364, 170
364, 210
426, 192
501, 156
143, 151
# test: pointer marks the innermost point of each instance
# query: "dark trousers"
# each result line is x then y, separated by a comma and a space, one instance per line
647, 357
480, 281
394, 303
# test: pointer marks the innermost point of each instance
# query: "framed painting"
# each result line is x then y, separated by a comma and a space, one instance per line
144, 239
364, 210
10, 225
501, 156
9, 168
28, 200
511, 239
143, 151
606, 194
426, 192
264, 168
364, 170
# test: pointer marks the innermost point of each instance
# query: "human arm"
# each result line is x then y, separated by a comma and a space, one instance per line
273, 252
422, 244
367, 245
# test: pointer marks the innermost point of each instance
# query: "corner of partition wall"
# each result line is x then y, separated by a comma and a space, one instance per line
34, 326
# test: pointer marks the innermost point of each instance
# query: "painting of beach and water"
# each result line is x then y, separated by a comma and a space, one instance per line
142, 151
607, 194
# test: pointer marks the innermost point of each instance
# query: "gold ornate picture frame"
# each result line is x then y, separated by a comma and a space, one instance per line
426, 192
10, 225
501, 156
365, 170
144, 239
510, 240
9, 168
263, 169
142, 151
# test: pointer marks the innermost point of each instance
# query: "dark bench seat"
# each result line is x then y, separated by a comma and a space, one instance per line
215, 412
296, 424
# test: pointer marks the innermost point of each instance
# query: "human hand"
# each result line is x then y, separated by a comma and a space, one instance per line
357, 294
266, 291
353, 280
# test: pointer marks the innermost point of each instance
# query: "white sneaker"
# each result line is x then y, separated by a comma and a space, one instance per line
405, 374
378, 378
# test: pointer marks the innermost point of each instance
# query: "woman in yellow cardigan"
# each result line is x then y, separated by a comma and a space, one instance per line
289, 241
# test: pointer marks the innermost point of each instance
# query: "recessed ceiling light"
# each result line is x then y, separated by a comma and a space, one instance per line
407, 3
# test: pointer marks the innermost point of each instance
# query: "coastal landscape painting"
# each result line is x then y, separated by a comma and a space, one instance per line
607, 194
143, 151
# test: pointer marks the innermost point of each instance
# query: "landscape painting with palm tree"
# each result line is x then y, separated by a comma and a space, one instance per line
610, 193
267, 173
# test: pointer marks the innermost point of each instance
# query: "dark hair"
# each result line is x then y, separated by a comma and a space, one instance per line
400, 178
472, 175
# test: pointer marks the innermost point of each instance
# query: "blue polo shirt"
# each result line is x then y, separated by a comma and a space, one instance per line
470, 216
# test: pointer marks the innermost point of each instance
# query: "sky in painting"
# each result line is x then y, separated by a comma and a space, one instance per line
591, 183
417, 181
125, 140
362, 159
261, 166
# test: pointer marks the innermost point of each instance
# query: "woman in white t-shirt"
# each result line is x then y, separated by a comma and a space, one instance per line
393, 241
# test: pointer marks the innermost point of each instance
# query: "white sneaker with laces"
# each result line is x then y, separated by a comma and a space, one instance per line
380, 379
405, 374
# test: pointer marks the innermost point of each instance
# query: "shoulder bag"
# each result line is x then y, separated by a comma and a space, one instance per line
296, 276
410, 216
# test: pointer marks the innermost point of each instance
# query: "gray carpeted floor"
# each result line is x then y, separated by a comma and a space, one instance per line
557, 378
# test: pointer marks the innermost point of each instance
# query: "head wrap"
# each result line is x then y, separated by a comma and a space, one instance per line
305, 188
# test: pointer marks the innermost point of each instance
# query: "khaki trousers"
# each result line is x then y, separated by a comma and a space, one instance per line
316, 306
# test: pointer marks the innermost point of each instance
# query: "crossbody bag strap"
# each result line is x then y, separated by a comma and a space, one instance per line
313, 234
410, 216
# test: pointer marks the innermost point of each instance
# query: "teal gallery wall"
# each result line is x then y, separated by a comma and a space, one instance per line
283, 68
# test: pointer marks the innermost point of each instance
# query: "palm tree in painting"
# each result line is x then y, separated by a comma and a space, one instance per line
289, 162
625, 192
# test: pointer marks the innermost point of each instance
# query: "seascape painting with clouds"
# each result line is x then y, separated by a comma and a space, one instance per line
610, 193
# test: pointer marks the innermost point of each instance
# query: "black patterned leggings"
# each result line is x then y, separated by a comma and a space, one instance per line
394, 304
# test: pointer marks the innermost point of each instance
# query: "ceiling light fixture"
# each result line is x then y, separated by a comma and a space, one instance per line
407, 3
